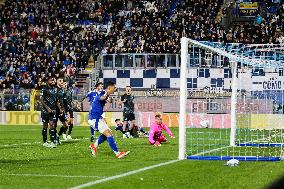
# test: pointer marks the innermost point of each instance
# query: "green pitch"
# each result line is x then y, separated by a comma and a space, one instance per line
24, 163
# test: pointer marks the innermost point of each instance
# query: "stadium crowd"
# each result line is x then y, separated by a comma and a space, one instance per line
39, 38
267, 28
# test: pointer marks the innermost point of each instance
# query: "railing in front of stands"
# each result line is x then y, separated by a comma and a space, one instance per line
197, 57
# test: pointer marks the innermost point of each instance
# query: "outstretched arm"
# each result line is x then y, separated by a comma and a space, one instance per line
122, 100
169, 132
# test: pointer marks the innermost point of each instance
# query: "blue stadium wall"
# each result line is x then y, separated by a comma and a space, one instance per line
214, 78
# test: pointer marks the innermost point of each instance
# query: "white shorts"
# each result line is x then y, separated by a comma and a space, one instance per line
99, 125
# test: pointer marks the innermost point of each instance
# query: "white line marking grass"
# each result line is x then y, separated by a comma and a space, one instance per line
122, 175
209, 151
138, 170
20, 144
31, 143
64, 176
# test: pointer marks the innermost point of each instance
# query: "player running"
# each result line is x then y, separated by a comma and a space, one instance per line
61, 109
98, 123
156, 137
68, 102
49, 99
91, 95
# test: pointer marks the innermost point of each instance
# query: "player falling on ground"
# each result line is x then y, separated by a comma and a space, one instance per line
119, 127
68, 102
61, 108
98, 123
156, 136
91, 95
49, 99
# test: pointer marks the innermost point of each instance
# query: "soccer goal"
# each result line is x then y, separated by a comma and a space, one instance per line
236, 118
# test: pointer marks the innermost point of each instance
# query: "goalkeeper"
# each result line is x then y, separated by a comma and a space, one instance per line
156, 137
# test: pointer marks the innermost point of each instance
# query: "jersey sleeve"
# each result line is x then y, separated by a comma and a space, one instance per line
103, 93
122, 97
58, 98
88, 95
168, 131
152, 134
98, 96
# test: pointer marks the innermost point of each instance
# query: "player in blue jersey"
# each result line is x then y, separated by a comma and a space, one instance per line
91, 95
98, 123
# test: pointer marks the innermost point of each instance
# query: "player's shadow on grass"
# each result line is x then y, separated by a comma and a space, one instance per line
68, 142
278, 184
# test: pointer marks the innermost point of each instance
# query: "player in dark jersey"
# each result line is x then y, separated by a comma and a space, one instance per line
61, 109
128, 115
68, 102
128, 111
49, 99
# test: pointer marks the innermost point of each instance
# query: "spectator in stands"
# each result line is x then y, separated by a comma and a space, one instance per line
39, 38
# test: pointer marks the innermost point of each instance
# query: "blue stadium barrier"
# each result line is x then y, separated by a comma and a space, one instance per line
262, 144
240, 158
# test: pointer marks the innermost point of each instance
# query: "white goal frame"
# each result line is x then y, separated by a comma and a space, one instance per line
234, 58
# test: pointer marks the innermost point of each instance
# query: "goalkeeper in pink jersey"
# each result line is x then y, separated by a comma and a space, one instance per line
156, 137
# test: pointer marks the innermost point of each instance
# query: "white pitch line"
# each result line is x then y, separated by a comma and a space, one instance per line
64, 176
138, 170
20, 144
22, 130
209, 151
122, 175
31, 143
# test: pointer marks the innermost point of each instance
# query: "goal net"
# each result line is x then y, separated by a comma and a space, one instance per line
231, 101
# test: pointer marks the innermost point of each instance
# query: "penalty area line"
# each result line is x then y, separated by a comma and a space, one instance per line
64, 176
123, 175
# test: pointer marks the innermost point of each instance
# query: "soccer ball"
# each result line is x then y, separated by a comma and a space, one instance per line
204, 123
232, 162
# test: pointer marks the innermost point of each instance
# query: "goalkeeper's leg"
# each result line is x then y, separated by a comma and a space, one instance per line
162, 138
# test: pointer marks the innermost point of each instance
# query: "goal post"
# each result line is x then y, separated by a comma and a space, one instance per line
183, 97
230, 127
233, 104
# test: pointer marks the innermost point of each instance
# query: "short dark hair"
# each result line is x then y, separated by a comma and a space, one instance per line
109, 83
117, 120
99, 83
49, 77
